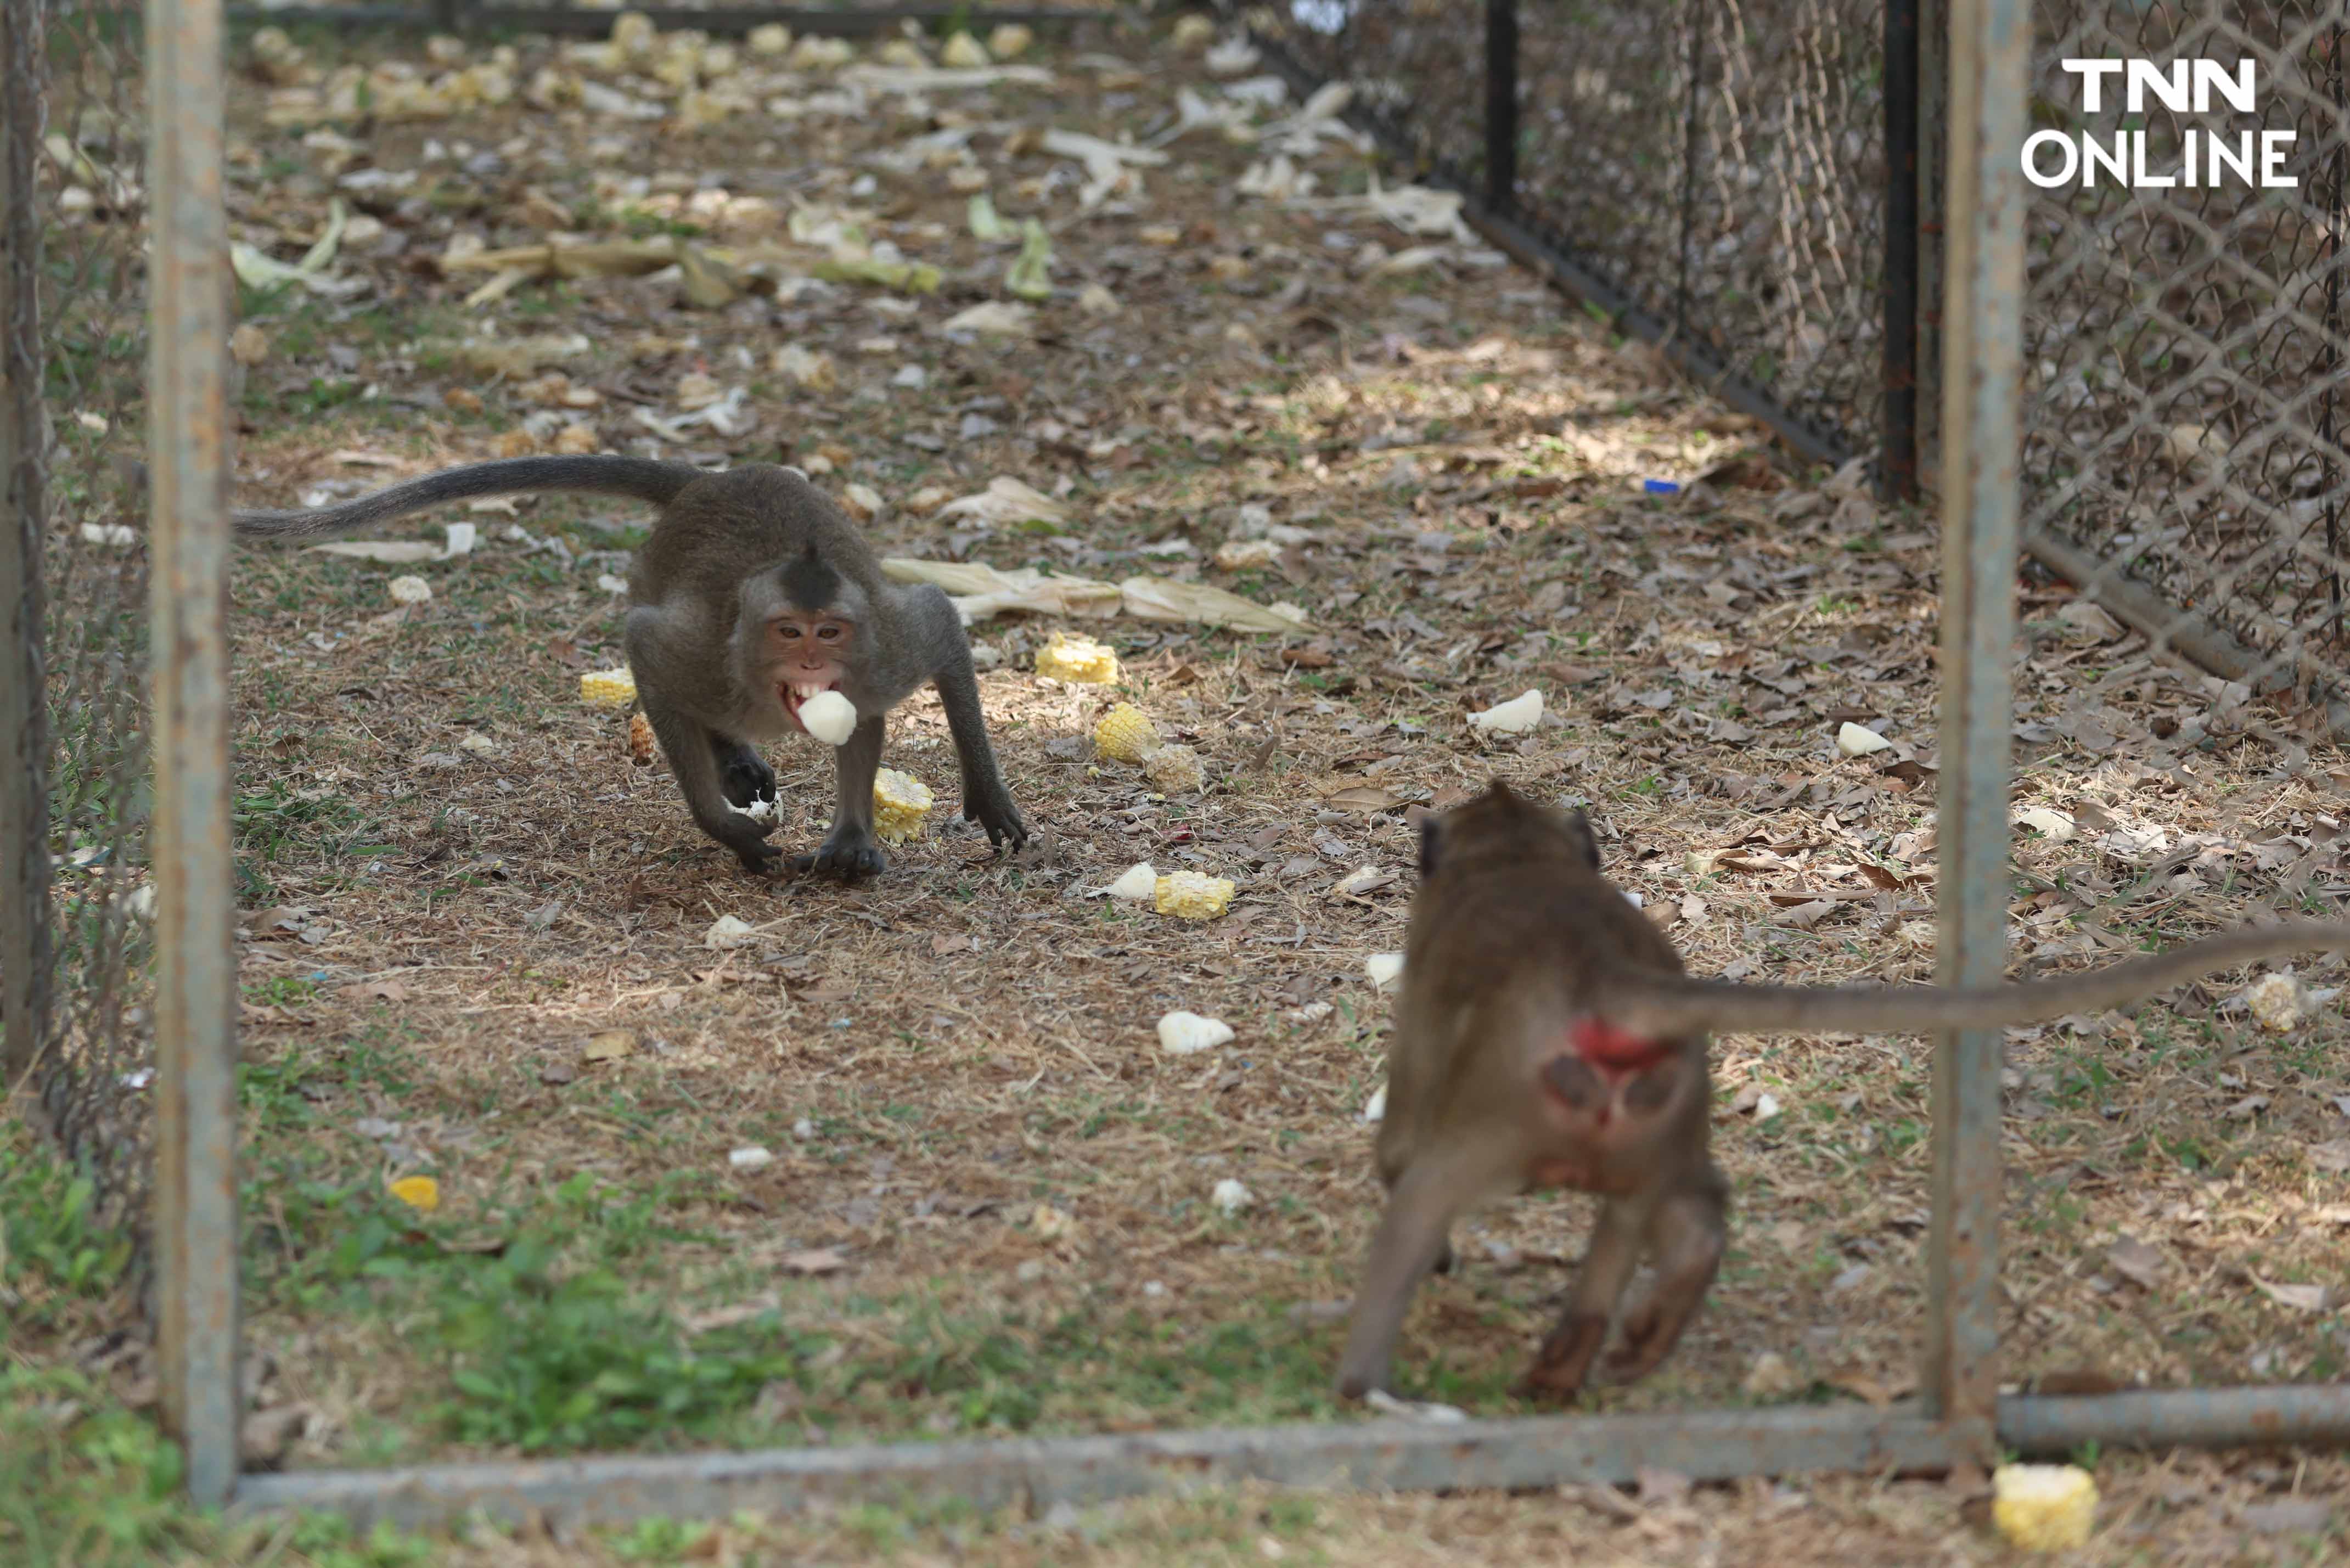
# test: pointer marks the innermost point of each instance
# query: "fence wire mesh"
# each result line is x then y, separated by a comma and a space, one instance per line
1720, 166
2183, 418
74, 301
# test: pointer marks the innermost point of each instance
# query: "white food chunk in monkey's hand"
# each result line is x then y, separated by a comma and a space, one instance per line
1515, 717
1376, 1109
1182, 1034
1383, 969
1138, 885
829, 717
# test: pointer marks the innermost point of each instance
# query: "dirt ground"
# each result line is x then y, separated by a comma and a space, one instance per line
476, 940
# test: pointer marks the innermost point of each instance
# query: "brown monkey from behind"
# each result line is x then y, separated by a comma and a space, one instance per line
1547, 1035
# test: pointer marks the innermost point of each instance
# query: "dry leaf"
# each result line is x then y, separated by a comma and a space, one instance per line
814, 1260
2135, 1260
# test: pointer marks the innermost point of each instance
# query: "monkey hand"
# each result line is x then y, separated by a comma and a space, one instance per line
849, 851
991, 806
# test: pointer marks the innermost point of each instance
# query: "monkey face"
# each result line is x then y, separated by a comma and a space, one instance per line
809, 653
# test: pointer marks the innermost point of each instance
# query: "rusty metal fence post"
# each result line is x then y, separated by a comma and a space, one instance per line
195, 970
1990, 42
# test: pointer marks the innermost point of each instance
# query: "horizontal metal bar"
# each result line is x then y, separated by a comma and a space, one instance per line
1520, 1453
719, 22
2165, 1418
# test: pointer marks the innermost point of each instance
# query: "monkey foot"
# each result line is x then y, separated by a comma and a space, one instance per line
1649, 1335
1564, 1361
847, 859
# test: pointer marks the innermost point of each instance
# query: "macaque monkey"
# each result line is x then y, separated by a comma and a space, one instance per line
753, 594
1546, 1035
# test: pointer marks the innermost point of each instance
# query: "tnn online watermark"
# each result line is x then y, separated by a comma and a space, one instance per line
2207, 158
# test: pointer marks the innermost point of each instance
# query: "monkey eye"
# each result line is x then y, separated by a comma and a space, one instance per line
829, 633
787, 630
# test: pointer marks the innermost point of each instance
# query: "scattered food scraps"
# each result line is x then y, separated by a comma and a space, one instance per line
1854, 741
1515, 717
2043, 1507
1181, 1034
1137, 885
902, 803
1175, 770
728, 931
420, 1193
608, 688
1124, 733
1191, 895
1080, 660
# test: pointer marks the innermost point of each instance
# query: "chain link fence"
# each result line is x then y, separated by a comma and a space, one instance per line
2184, 412
74, 971
1714, 171
1740, 181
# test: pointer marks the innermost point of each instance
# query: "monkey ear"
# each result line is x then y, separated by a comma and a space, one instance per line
1428, 835
1580, 825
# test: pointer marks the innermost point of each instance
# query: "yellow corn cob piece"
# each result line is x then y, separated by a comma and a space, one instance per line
900, 803
1126, 734
1174, 769
641, 741
420, 1193
1077, 658
608, 687
2043, 1507
1191, 897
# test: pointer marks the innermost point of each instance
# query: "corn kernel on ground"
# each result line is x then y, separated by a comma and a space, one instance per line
900, 803
420, 1193
2043, 1507
1077, 658
1174, 769
1126, 734
608, 687
1191, 897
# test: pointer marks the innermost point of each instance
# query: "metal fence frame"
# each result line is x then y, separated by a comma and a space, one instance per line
722, 21
1959, 1416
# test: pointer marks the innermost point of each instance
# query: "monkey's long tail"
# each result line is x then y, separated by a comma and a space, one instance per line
1662, 1007
637, 478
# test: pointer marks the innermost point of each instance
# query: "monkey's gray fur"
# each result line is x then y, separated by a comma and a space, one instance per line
729, 551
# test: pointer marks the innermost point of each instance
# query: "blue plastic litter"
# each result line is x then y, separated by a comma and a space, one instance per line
1661, 486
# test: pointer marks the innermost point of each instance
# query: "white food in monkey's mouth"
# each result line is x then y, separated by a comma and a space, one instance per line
822, 712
